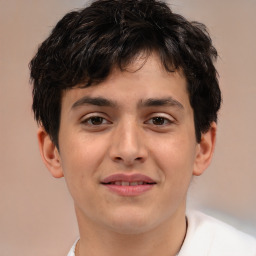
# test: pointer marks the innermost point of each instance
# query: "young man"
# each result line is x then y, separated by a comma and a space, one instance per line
126, 95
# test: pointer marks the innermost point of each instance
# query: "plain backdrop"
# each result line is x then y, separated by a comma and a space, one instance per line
36, 211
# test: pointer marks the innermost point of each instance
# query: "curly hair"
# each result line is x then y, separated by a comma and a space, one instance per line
87, 44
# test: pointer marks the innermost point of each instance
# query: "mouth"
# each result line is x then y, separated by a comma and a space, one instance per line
128, 185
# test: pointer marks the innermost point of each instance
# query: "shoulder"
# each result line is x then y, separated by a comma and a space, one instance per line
209, 236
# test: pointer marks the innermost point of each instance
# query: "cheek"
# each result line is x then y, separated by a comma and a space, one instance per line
79, 163
81, 152
80, 158
175, 158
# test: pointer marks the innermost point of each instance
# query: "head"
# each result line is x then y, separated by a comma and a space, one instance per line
87, 45
126, 91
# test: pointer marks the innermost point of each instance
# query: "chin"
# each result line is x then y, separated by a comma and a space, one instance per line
130, 228
131, 223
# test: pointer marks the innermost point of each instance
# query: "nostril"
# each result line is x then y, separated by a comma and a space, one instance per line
118, 158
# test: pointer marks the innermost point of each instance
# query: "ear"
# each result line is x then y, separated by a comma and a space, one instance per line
49, 153
205, 150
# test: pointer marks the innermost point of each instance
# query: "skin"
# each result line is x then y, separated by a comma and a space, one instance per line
129, 137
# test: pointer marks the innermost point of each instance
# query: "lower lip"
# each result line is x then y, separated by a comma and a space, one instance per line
129, 190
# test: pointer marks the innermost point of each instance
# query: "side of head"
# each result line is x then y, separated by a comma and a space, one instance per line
86, 45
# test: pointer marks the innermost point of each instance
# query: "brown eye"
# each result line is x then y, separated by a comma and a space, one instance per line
96, 120
159, 120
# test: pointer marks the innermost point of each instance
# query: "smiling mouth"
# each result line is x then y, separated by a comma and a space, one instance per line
127, 183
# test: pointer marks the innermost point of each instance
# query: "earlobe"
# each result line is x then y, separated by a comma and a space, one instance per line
205, 150
49, 153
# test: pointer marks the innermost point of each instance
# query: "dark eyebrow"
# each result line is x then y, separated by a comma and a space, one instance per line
169, 101
97, 101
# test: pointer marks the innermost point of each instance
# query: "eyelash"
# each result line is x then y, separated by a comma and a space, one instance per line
103, 121
164, 119
88, 120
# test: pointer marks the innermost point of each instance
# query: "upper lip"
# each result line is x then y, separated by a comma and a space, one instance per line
128, 178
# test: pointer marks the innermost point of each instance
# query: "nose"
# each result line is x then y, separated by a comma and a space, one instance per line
128, 144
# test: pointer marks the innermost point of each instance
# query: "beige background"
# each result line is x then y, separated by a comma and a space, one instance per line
36, 214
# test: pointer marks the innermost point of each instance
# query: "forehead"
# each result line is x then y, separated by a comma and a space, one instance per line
143, 79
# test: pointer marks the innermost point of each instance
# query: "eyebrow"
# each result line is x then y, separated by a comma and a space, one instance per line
168, 101
151, 102
97, 101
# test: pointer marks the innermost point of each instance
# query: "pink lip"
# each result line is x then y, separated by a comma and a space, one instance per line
128, 178
129, 190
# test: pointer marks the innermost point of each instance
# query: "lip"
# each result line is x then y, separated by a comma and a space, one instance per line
127, 177
128, 190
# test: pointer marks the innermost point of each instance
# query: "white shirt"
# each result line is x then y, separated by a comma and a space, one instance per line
207, 236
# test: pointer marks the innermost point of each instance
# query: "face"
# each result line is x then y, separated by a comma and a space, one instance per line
127, 148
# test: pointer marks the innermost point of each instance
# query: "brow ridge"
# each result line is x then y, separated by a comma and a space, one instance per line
151, 102
97, 101
167, 101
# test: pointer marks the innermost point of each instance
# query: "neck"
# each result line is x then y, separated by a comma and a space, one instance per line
164, 240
